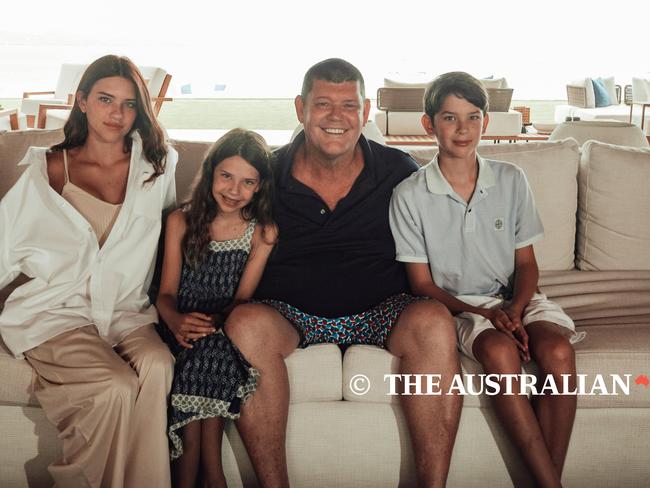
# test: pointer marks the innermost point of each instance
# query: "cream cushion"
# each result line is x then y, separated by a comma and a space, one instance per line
614, 205
611, 132
551, 169
494, 82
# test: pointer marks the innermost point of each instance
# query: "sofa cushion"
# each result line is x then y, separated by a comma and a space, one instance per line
600, 297
614, 204
17, 377
315, 373
600, 93
609, 131
551, 169
14, 145
314, 376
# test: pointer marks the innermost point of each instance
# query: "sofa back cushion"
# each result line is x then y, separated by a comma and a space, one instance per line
551, 169
14, 145
609, 131
190, 157
614, 205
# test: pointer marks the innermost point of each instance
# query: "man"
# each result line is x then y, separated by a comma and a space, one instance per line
334, 267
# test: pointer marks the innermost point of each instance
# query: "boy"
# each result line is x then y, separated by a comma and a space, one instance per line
465, 226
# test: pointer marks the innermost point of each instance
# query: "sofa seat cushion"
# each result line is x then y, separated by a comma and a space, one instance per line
17, 378
606, 350
314, 376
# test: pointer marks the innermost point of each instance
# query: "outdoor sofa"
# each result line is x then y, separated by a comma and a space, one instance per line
595, 261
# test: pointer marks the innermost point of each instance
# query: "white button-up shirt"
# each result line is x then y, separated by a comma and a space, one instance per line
74, 282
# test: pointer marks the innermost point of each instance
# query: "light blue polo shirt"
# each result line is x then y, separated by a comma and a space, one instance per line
470, 247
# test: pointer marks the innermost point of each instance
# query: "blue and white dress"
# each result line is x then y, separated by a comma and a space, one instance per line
212, 379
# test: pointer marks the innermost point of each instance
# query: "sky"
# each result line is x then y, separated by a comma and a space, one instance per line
261, 48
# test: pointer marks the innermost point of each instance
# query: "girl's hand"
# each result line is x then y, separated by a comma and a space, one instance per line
191, 326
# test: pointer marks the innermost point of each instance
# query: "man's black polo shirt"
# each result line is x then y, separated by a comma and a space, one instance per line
333, 264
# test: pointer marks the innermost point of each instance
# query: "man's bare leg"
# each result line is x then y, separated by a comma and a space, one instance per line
424, 339
265, 338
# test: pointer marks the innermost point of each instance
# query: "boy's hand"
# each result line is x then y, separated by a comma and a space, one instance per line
508, 322
519, 333
191, 326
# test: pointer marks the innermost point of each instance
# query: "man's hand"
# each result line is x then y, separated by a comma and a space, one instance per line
191, 326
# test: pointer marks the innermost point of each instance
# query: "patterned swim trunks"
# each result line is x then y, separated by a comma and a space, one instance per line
370, 327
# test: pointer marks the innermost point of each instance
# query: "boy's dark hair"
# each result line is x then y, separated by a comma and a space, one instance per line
334, 70
457, 83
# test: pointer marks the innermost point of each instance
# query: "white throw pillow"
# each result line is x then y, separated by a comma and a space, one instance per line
494, 82
614, 204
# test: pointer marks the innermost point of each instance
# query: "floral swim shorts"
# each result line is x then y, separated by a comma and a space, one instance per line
370, 327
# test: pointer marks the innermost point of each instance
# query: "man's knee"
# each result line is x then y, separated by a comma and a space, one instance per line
255, 327
427, 324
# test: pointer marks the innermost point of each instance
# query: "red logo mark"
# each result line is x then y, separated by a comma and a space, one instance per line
642, 380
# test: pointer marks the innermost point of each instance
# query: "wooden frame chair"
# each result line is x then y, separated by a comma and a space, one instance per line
12, 113
164, 79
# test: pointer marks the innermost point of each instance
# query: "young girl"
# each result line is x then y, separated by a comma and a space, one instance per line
216, 247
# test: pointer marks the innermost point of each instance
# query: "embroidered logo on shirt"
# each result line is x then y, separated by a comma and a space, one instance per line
499, 223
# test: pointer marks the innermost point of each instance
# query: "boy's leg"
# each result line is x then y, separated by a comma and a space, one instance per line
265, 338
554, 355
148, 456
498, 354
88, 392
424, 339
211, 438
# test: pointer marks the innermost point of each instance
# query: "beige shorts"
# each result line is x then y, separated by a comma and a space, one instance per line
540, 308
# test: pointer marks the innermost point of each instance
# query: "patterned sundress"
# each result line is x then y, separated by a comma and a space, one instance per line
213, 378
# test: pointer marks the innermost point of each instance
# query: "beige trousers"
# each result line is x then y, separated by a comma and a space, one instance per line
109, 405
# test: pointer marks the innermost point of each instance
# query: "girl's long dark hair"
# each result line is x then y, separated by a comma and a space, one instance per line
153, 137
201, 207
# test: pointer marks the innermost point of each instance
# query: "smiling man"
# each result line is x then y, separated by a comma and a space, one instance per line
333, 277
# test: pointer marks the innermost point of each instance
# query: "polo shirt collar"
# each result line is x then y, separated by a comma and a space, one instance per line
438, 184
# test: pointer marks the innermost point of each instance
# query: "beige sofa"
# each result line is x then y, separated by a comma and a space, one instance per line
596, 263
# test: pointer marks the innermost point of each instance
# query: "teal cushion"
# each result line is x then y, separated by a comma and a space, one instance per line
600, 93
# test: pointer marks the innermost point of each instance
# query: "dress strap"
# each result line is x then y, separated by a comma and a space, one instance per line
65, 166
248, 235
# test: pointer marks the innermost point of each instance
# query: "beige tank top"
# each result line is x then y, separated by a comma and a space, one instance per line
100, 214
